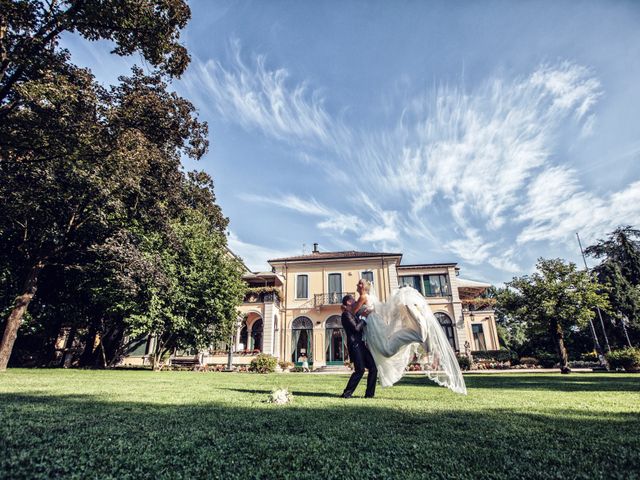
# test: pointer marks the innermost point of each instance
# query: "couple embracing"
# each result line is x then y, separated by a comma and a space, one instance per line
384, 337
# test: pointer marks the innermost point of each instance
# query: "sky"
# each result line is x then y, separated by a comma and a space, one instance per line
480, 132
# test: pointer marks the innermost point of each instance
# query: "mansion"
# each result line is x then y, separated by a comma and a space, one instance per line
295, 308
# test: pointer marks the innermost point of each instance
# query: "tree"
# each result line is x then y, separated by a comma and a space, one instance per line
30, 31
121, 165
196, 304
619, 270
556, 298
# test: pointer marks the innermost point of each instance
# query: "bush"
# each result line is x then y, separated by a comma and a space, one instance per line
495, 355
529, 361
464, 362
263, 363
590, 357
627, 358
284, 365
583, 364
547, 360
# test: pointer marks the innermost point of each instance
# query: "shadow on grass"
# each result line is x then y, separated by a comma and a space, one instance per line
80, 436
588, 382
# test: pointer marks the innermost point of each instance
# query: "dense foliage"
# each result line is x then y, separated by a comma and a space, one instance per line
626, 358
96, 214
619, 273
264, 363
555, 299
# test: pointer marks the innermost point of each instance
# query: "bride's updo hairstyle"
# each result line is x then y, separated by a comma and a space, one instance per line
367, 284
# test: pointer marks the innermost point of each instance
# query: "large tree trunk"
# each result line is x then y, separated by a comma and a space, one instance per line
15, 317
558, 336
88, 357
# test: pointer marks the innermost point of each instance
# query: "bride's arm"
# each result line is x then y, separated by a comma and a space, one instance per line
358, 305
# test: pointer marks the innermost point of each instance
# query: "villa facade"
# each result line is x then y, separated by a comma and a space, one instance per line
303, 316
294, 309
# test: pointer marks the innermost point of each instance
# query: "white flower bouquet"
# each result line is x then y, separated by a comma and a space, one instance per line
280, 396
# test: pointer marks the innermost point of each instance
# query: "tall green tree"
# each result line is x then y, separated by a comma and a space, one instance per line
197, 303
30, 31
122, 164
556, 298
619, 269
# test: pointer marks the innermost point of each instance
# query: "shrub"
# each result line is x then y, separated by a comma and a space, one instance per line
284, 365
583, 364
263, 363
495, 355
529, 361
547, 360
464, 362
590, 357
627, 358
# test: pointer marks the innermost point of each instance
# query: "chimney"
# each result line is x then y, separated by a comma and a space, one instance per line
315, 248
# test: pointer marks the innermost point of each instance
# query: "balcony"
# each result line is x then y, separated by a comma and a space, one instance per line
326, 299
262, 297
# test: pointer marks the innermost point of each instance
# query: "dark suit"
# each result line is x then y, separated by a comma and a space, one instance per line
359, 355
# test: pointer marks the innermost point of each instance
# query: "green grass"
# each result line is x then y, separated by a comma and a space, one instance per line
140, 424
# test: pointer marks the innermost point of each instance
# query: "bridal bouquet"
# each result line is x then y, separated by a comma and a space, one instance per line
280, 396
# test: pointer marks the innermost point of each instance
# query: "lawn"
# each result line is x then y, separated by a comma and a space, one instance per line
140, 424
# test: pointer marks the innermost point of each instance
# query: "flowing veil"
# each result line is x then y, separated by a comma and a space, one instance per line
395, 330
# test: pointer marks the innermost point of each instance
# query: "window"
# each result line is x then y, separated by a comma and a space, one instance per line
335, 288
411, 281
436, 286
478, 336
302, 286
367, 276
447, 326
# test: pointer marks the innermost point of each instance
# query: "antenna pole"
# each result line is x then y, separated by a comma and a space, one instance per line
606, 339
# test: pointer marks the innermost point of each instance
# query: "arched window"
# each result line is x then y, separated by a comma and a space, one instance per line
256, 335
335, 341
301, 339
447, 326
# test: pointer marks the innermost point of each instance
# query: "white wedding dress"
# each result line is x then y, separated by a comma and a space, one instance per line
397, 328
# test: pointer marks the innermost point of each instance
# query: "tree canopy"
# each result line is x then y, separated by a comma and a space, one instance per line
94, 206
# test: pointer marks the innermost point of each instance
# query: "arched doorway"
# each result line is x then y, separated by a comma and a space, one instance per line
256, 335
447, 326
335, 341
302, 339
244, 336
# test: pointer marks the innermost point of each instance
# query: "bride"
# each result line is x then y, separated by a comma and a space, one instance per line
394, 331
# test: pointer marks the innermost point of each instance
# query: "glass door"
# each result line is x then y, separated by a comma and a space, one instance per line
335, 342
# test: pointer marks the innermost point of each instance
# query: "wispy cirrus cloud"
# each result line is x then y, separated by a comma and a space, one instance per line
264, 99
255, 256
474, 173
557, 207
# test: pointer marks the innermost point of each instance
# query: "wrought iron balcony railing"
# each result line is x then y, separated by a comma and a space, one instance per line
333, 298
263, 297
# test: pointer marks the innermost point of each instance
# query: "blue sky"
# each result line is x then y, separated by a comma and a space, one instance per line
481, 132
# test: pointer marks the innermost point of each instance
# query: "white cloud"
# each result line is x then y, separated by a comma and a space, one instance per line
557, 207
470, 167
257, 97
255, 256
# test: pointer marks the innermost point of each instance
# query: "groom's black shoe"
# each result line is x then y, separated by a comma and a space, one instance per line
369, 396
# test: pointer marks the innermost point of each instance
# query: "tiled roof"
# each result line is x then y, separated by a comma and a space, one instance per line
335, 255
430, 265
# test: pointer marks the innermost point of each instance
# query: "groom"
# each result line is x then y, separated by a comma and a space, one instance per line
358, 351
